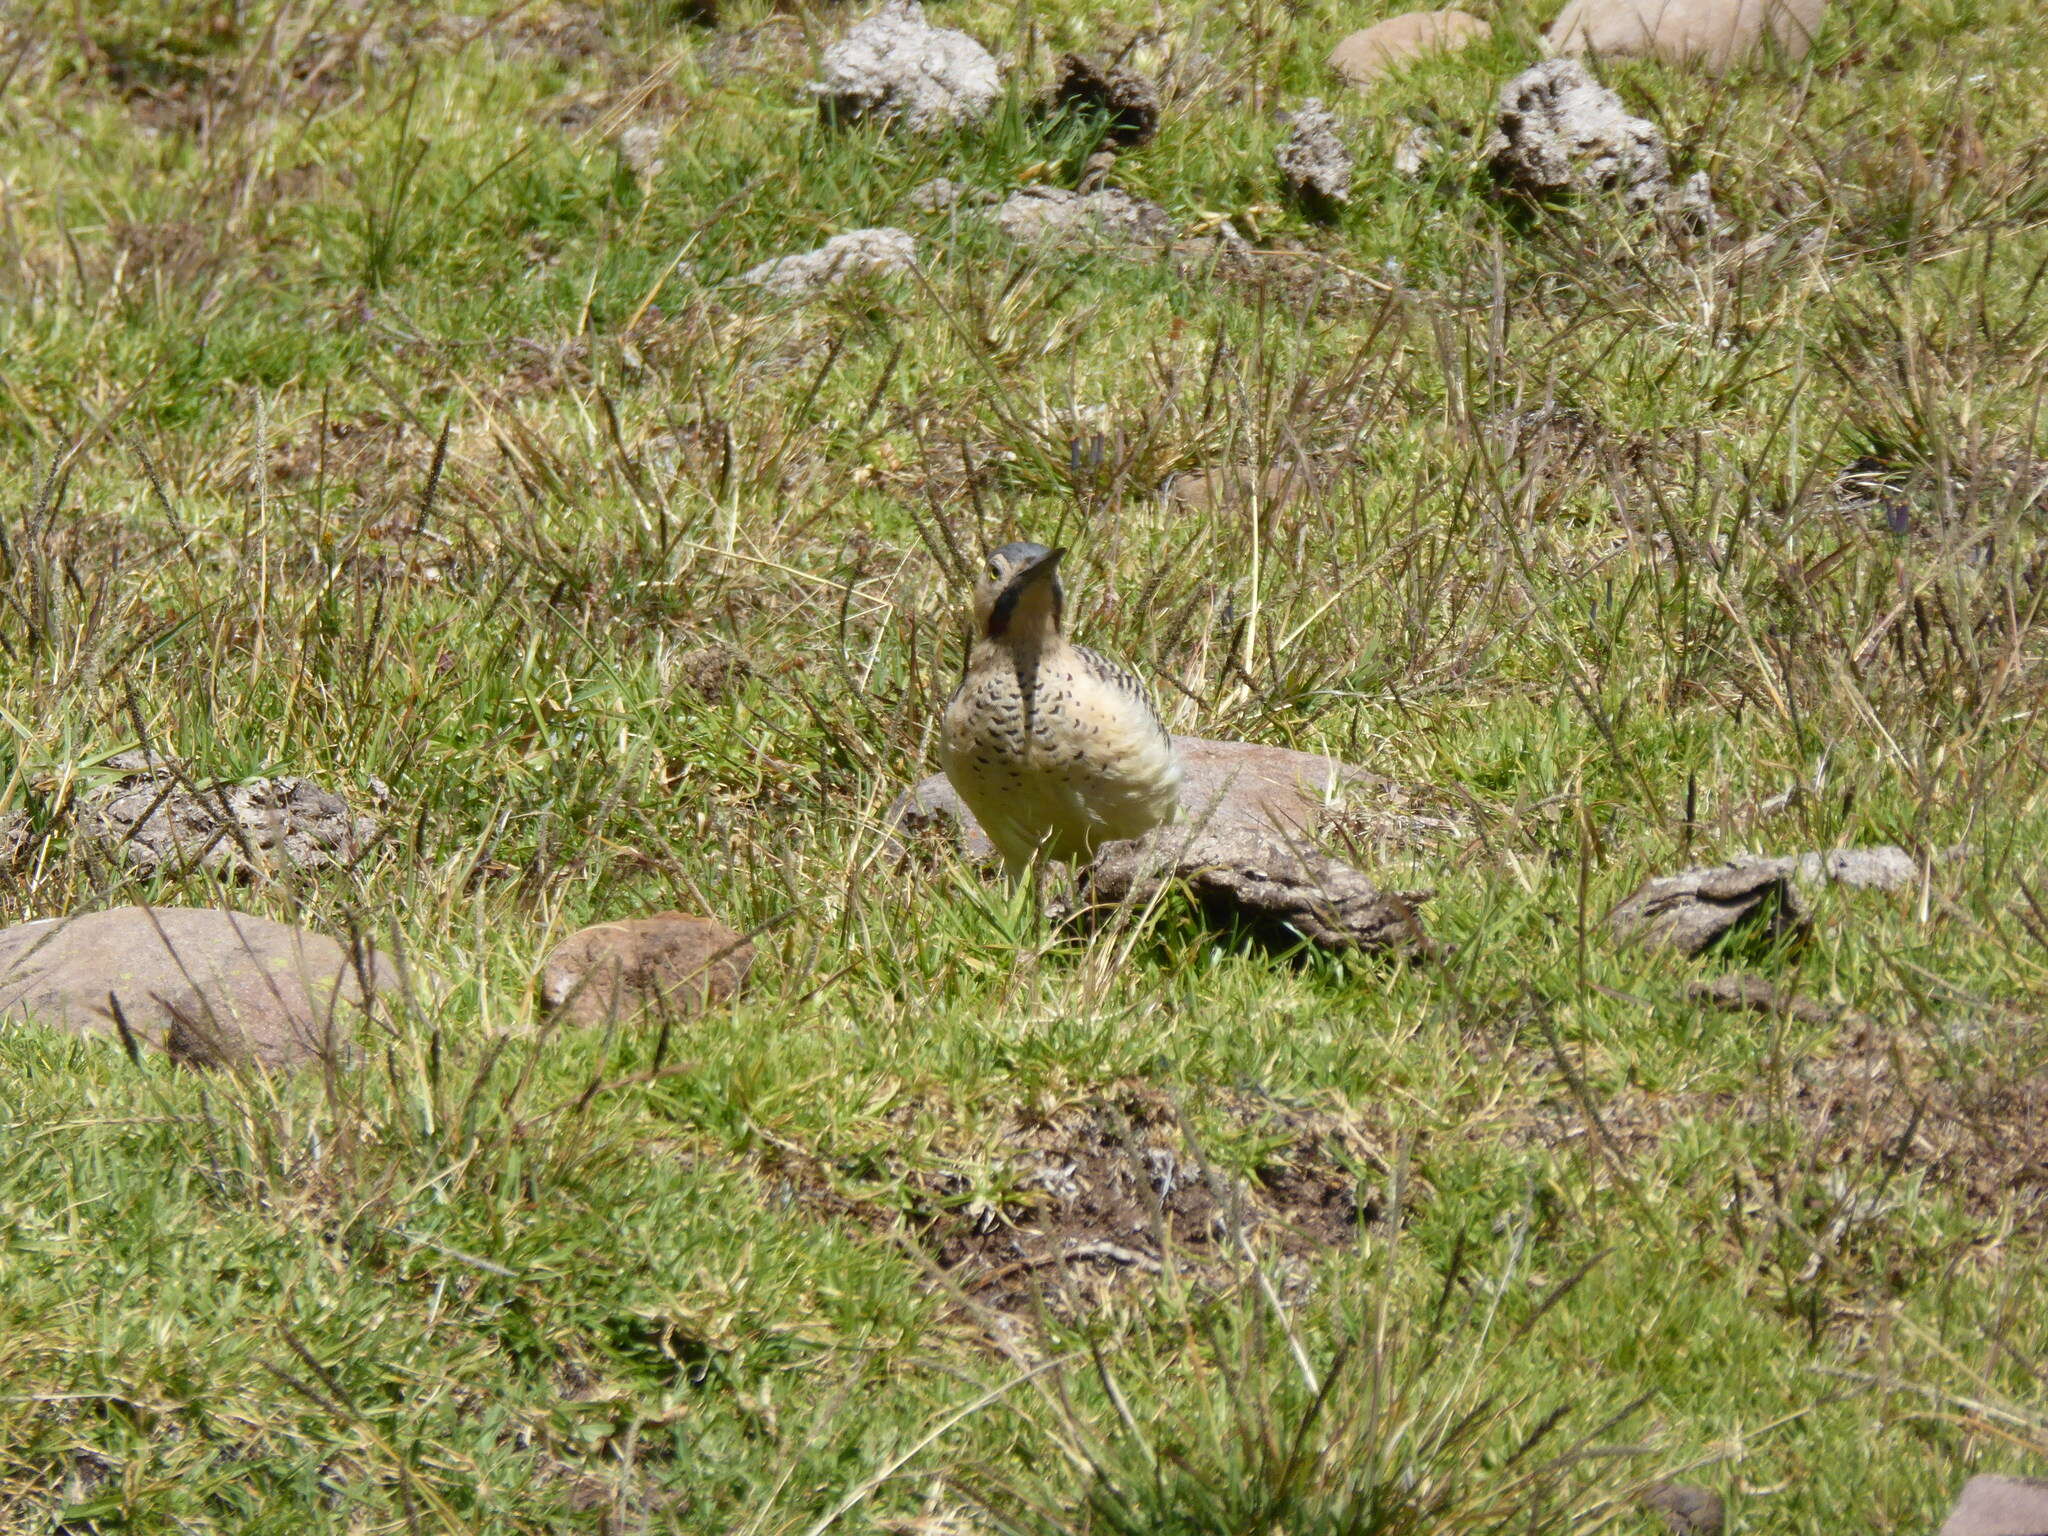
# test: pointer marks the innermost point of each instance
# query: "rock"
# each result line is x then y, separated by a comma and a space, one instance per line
1695, 908
1366, 57
1278, 886
1108, 215
1688, 1510
670, 963
1412, 155
209, 987
857, 253
1127, 98
152, 816
2000, 1506
897, 66
940, 194
1314, 163
1200, 490
1693, 205
1558, 130
640, 150
1878, 868
1717, 33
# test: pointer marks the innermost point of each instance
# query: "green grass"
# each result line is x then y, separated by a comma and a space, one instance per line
1580, 556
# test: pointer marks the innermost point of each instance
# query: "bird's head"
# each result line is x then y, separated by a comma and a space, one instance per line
1018, 596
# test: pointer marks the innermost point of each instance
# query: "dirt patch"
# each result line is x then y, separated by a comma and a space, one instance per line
1118, 1190
1866, 1120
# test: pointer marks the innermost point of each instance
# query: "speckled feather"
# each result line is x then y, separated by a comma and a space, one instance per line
1051, 745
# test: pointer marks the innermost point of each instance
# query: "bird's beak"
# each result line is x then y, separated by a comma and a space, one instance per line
1044, 567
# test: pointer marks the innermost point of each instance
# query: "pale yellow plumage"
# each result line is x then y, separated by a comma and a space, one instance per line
1054, 749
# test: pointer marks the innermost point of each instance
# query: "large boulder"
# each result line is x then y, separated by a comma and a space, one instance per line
1716, 33
209, 987
1365, 57
154, 817
1558, 130
897, 66
669, 964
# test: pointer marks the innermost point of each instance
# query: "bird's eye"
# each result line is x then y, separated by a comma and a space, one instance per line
995, 572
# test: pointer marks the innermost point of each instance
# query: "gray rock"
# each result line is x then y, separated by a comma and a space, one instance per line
640, 149
1558, 130
857, 253
1688, 1510
1127, 98
208, 987
1365, 57
1716, 33
1688, 911
896, 66
2000, 1506
1742, 992
1314, 162
1108, 216
1412, 155
940, 194
153, 817
15, 831
670, 963
1696, 908
1278, 886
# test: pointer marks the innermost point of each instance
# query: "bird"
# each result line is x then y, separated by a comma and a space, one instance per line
1055, 749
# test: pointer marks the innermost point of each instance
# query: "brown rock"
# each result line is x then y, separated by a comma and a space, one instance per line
1366, 57
1201, 489
2000, 1506
1718, 33
1696, 908
209, 987
668, 963
1688, 1510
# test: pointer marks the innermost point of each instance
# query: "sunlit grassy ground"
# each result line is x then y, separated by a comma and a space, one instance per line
1582, 555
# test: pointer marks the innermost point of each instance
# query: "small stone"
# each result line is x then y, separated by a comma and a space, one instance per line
640, 150
941, 193
1716, 33
712, 672
857, 253
1108, 215
1127, 98
1412, 155
897, 67
670, 963
1558, 130
1314, 163
1203, 489
152, 817
2000, 1506
1693, 205
207, 986
1688, 1510
1368, 56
